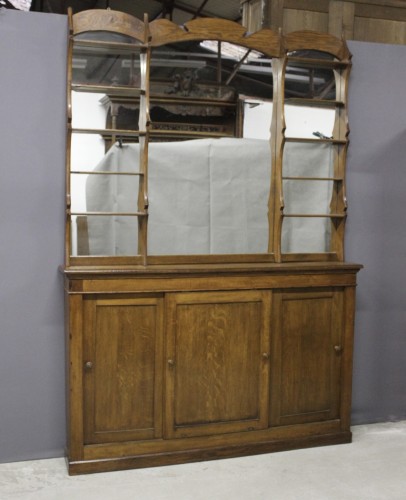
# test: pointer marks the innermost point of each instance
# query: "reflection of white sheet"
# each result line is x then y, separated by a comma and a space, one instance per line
312, 160
206, 196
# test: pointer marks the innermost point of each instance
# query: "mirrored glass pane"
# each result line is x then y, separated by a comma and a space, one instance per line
310, 75
95, 63
301, 159
89, 110
209, 70
178, 120
96, 152
306, 235
86, 151
307, 197
309, 122
96, 192
209, 196
104, 236
210, 160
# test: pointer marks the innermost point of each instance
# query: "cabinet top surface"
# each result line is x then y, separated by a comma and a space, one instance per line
212, 269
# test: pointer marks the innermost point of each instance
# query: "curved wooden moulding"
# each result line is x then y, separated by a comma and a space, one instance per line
108, 20
164, 32
312, 40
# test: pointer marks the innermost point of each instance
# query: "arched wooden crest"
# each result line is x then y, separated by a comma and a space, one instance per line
108, 20
165, 32
312, 40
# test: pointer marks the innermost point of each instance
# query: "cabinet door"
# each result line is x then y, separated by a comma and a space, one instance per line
306, 356
122, 368
217, 377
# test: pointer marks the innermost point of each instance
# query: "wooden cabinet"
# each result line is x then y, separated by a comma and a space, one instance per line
209, 306
206, 363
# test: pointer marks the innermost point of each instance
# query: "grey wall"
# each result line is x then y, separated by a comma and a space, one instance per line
376, 235
32, 145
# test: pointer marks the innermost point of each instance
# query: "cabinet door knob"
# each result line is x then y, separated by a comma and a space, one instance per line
88, 365
265, 356
338, 348
171, 363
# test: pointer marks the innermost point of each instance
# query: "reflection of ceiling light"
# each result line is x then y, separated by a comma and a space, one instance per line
230, 50
250, 68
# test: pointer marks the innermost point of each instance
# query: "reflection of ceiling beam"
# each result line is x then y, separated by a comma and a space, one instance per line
168, 8
187, 8
199, 10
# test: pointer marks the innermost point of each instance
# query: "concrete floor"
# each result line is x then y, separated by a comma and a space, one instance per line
373, 467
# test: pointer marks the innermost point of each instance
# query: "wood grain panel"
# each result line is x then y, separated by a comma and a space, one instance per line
122, 390
341, 19
218, 350
379, 30
307, 356
74, 363
295, 20
164, 32
108, 20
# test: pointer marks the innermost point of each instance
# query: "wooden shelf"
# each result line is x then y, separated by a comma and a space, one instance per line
100, 172
109, 214
298, 178
321, 103
109, 132
304, 62
204, 101
328, 216
315, 141
187, 134
112, 90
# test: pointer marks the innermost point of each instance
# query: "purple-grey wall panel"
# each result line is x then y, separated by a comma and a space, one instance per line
376, 234
32, 145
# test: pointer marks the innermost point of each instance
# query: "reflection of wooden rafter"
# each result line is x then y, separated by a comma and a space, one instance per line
327, 88
186, 8
168, 6
199, 10
238, 66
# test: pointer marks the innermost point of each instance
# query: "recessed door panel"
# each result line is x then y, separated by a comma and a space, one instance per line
306, 356
122, 369
218, 362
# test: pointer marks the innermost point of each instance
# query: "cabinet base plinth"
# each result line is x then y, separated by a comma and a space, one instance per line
199, 455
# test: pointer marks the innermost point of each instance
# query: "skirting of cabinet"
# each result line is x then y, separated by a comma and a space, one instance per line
213, 453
